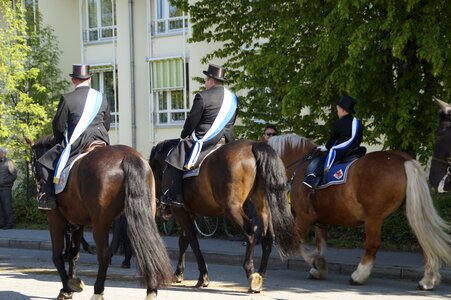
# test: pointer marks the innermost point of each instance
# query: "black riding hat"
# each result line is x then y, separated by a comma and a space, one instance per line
347, 103
80, 71
216, 72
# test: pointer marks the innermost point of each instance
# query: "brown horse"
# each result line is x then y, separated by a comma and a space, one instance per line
230, 175
440, 173
378, 184
104, 183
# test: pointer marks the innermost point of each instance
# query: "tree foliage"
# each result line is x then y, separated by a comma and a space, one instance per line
295, 58
29, 78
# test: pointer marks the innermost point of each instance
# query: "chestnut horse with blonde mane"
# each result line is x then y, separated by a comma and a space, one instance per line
377, 185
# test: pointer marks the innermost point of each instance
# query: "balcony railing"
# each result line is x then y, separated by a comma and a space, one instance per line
170, 25
99, 34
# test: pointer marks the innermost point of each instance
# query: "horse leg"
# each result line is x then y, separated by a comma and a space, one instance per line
183, 245
188, 226
103, 258
317, 258
372, 244
57, 228
239, 218
75, 284
127, 252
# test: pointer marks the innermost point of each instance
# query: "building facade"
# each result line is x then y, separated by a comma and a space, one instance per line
140, 58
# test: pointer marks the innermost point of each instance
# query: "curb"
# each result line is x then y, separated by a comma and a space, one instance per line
295, 264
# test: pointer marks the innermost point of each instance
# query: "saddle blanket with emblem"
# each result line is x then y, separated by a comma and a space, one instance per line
337, 174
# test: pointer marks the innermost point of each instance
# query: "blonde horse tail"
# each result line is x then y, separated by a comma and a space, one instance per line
430, 229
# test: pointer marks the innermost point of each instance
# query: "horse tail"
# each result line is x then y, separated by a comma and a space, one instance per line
151, 256
271, 173
430, 229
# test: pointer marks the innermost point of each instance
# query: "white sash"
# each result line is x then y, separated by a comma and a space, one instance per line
332, 152
226, 112
90, 110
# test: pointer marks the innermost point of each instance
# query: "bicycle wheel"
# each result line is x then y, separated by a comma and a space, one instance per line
206, 226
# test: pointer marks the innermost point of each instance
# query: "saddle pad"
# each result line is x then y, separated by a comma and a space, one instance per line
59, 187
195, 172
337, 174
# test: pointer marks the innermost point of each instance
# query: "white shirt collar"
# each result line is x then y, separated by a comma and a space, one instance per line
84, 83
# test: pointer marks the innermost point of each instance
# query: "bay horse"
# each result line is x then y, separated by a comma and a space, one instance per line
228, 176
377, 185
440, 172
104, 183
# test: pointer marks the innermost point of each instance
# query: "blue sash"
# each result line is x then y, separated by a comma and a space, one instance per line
228, 109
90, 110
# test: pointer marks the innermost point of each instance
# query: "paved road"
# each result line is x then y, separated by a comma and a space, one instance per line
29, 274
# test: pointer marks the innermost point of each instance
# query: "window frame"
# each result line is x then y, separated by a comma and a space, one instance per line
164, 21
100, 29
114, 111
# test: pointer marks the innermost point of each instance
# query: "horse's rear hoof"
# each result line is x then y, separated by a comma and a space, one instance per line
423, 288
76, 284
353, 282
203, 281
151, 296
255, 283
64, 295
125, 265
97, 297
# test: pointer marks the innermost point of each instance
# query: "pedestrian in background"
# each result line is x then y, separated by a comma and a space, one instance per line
8, 175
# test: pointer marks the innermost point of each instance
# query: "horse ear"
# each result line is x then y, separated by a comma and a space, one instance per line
445, 107
29, 142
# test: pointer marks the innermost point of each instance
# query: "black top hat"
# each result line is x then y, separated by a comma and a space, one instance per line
347, 103
80, 71
216, 72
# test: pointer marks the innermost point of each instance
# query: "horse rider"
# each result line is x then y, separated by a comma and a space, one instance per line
83, 116
346, 135
209, 122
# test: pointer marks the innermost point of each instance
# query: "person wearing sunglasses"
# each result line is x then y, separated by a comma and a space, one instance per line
269, 131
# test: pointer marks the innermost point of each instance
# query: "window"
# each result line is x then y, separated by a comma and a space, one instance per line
168, 87
101, 23
169, 19
103, 81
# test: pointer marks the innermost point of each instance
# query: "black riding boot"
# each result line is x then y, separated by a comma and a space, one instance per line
46, 190
172, 183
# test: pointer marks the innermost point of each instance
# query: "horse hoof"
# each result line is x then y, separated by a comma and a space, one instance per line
202, 283
97, 297
178, 278
64, 295
76, 284
125, 265
353, 282
255, 283
92, 250
424, 288
151, 296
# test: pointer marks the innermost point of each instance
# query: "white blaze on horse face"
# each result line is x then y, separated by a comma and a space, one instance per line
441, 185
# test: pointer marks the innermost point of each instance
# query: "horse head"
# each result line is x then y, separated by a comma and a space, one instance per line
157, 161
440, 173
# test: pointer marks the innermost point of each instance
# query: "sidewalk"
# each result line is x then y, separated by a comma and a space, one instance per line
396, 265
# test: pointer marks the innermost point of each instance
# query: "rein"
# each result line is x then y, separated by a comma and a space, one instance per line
307, 157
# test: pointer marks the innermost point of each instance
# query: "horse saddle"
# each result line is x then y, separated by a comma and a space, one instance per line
195, 172
338, 172
59, 187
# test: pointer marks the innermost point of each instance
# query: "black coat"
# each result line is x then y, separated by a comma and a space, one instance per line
206, 106
69, 112
341, 132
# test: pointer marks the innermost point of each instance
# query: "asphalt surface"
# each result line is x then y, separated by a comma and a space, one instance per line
389, 264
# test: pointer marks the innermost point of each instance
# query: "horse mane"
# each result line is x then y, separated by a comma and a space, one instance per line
279, 142
163, 147
47, 142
